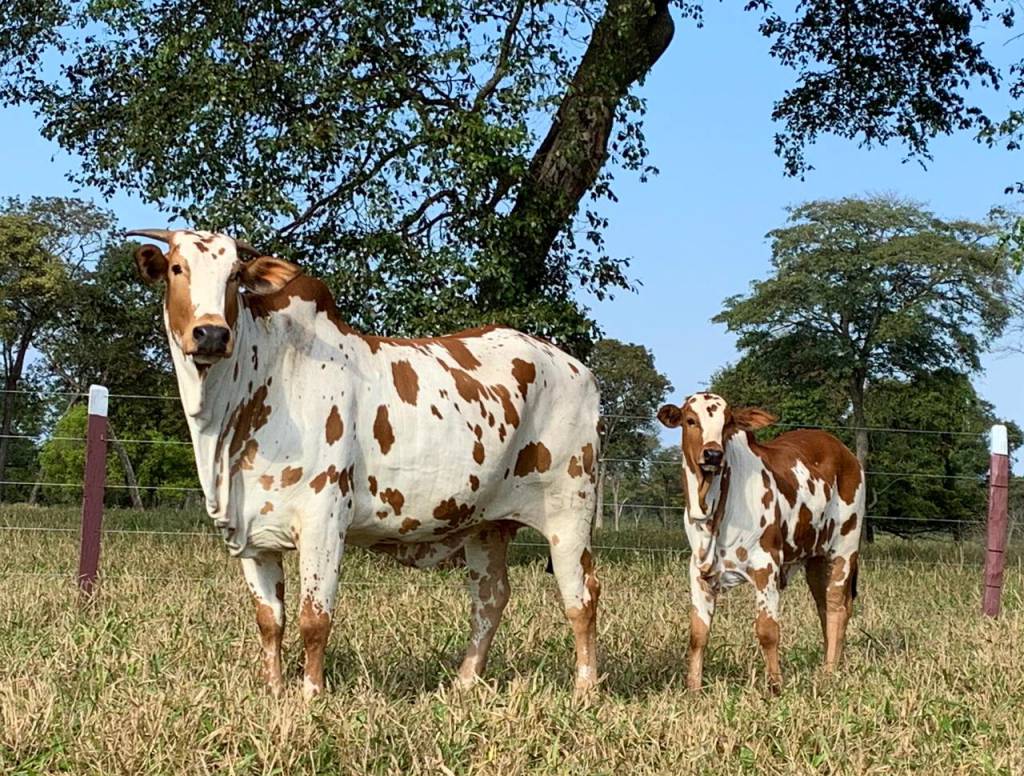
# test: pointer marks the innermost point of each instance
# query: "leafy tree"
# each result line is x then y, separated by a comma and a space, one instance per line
167, 470
437, 157
631, 390
865, 290
795, 397
62, 461
44, 244
663, 485
954, 457
111, 334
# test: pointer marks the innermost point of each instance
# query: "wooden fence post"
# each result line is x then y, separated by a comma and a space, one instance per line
998, 524
93, 488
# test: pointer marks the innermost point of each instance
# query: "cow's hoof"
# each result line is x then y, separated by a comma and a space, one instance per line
464, 683
586, 687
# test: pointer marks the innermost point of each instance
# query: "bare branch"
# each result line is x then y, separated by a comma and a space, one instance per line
501, 67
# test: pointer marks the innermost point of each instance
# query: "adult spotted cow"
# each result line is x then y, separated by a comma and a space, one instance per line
309, 435
756, 511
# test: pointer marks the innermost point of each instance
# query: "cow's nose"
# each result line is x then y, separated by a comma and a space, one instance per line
211, 340
713, 457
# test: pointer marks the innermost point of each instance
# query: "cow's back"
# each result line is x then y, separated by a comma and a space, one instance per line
825, 459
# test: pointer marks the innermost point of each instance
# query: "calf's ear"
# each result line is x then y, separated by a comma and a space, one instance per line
267, 274
151, 263
752, 418
670, 415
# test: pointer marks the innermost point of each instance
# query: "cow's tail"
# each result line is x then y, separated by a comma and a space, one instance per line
853, 581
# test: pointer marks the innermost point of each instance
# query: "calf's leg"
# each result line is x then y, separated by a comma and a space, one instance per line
573, 566
702, 610
265, 577
766, 626
487, 583
817, 570
839, 605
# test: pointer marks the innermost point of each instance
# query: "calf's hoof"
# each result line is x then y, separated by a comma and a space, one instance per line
586, 685
310, 689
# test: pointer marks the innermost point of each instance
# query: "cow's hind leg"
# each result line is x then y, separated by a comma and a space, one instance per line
265, 577
817, 570
573, 566
487, 582
320, 550
839, 606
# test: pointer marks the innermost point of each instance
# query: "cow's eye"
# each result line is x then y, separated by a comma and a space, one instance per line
691, 422
176, 269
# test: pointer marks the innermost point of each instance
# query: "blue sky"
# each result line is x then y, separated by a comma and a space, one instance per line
696, 231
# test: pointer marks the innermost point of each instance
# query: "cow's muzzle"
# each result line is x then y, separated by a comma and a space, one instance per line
711, 460
212, 343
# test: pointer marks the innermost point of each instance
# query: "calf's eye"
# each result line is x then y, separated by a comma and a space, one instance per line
176, 269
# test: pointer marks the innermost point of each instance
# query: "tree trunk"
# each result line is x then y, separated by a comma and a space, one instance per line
126, 464
860, 436
619, 509
5, 430
626, 42
616, 507
11, 382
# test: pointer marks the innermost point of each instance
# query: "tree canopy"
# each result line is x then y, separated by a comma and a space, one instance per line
44, 245
631, 390
444, 162
869, 289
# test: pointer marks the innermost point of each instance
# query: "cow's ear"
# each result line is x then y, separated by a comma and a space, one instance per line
752, 418
670, 415
267, 274
151, 263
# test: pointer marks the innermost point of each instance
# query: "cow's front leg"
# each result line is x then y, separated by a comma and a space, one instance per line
703, 595
265, 578
766, 626
487, 582
320, 550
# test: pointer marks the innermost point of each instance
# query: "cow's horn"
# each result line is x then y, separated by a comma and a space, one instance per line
241, 246
156, 234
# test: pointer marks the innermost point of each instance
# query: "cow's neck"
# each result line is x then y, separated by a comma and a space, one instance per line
710, 516
209, 397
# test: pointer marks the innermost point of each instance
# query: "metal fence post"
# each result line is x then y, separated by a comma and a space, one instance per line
94, 485
998, 523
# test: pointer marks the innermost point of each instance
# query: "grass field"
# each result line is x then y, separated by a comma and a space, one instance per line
160, 673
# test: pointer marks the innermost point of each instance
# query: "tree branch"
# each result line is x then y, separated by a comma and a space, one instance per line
503, 53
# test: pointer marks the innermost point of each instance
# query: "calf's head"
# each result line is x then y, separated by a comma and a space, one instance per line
708, 423
203, 273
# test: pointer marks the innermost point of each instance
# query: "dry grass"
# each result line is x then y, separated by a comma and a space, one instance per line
159, 675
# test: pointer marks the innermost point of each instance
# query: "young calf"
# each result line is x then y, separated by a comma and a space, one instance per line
757, 511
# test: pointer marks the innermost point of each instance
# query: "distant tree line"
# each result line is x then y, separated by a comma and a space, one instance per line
872, 320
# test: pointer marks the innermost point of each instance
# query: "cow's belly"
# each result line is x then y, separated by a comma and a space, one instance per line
418, 526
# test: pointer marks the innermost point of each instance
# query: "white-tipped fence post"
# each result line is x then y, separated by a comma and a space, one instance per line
998, 523
94, 485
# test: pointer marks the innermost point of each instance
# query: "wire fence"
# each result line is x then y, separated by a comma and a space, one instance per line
627, 510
